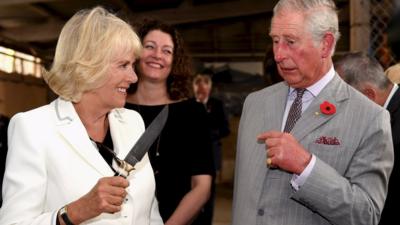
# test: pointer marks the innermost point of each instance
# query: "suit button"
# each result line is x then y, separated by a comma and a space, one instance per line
260, 212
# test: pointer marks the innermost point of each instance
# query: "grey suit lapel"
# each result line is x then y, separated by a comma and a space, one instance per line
275, 106
74, 133
336, 93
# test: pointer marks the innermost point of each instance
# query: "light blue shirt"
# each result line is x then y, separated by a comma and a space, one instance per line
309, 95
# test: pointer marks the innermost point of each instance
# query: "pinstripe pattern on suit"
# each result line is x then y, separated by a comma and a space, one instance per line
348, 184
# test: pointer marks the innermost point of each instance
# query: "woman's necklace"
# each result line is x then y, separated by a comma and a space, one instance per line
155, 157
157, 152
158, 145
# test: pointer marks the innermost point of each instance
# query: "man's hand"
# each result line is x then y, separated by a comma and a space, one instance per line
285, 152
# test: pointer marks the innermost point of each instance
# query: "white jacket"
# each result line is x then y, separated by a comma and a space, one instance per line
52, 162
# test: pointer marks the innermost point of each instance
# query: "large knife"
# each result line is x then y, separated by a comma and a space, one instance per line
143, 145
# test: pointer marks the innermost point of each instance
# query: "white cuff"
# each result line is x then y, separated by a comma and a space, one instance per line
298, 180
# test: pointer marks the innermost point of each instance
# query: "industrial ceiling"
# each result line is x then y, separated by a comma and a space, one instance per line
214, 30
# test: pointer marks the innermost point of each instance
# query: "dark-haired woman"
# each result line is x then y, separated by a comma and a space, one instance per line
181, 156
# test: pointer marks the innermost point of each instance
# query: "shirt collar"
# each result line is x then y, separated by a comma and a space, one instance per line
316, 88
203, 102
394, 89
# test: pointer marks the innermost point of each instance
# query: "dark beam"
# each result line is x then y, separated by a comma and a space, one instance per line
193, 14
48, 31
18, 2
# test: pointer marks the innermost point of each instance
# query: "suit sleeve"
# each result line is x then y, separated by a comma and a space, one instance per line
25, 178
357, 196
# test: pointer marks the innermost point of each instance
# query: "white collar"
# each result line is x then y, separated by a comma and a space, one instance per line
394, 89
316, 88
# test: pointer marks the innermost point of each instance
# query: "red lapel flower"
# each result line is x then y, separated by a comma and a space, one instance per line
327, 108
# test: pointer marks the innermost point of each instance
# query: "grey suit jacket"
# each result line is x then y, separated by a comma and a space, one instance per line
348, 183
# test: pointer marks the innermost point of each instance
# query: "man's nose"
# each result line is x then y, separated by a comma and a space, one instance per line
279, 53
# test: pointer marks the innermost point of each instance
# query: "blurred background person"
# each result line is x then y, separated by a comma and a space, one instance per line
366, 74
58, 169
218, 123
218, 120
182, 155
393, 73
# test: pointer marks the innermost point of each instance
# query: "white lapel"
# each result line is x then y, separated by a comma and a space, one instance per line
126, 127
120, 136
74, 133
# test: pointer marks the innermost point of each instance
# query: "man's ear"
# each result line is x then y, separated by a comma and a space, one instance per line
370, 92
327, 44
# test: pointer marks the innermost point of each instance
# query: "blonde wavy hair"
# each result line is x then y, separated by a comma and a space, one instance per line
88, 43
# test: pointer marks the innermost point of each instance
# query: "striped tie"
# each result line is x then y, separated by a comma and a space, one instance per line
295, 110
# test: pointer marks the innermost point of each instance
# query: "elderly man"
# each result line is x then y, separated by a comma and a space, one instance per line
365, 74
311, 149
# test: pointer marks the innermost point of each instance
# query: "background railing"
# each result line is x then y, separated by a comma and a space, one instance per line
381, 13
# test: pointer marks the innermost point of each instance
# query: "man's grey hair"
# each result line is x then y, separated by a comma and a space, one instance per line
320, 16
359, 68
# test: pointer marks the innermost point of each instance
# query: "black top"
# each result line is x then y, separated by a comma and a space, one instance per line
182, 150
106, 148
3, 149
218, 119
219, 127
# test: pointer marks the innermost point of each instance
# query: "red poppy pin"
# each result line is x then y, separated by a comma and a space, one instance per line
327, 108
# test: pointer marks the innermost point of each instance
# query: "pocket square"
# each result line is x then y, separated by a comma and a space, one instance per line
327, 140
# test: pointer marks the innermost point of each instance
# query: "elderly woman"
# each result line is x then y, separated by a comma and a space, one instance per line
59, 168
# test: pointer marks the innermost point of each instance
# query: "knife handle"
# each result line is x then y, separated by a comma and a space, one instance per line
123, 168
117, 174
